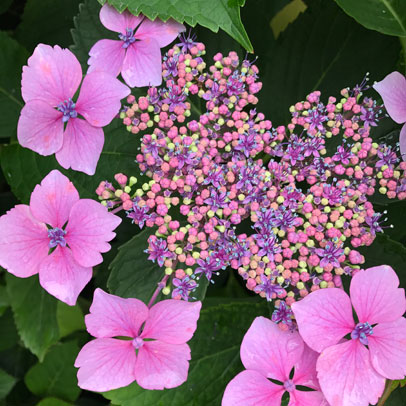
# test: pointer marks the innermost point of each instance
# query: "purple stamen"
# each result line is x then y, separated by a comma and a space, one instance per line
289, 385
67, 108
362, 331
138, 342
128, 38
56, 236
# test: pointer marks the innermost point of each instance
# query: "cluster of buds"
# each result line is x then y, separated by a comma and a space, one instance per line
286, 207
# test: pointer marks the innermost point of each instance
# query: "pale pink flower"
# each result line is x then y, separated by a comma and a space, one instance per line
138, 53
49, 83
351, 374
155, 353
78, 231
393, 92
268, 352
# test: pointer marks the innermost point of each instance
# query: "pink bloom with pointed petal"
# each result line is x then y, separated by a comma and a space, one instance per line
49, 83
156, 356
78, 231
350, 374
393, 92
138, 53
267, 352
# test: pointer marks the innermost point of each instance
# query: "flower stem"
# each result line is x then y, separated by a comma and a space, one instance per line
117, 209
160, 286
386, 393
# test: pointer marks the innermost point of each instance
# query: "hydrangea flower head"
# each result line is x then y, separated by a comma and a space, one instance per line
76, 230
393, 92
155, 355
267, 352
49, 84
137, 54
350, 374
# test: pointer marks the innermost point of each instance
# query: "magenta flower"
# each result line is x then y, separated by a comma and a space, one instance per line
77, 230
267, 352
393, 92
156, 356
49, 83
137, 55
350, 374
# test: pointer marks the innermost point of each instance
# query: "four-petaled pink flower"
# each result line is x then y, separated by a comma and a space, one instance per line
78, 231
350, 374
138, 53
267, 352
155, 355
48, 85
393, 92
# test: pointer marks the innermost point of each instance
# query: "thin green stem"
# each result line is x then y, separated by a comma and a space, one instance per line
386, 393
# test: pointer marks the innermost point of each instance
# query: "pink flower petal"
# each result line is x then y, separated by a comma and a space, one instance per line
347, 377
82, 146
113, 316
305, 369
269, 350
301, 398
88, 231
118, 22
105, 364
53, 75
107, 56
375, 295
162, 33
250, 388
393, 92
324, 317
402, 142
24, 242
161, 365
172, 321
40, 128
52, 200
143, 64
99, 98
387, 348
61, 276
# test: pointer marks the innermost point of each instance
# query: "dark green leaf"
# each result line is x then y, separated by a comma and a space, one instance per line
215, 360
13, 57
212, 14
385, 251
56, 375
48, 22
4, 5
24, 168
397, 397
34, 313
6, 383
132, 274
4, 300
70, 318
53, 402
9, 335
386, 16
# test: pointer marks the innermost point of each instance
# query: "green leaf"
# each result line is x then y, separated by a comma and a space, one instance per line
24, 168
386, 16
56, 375
13, 57
4, 5
9, 336
4, 300
397, 397
53, 402
212, 14
47, 21
385, 251
6, 383
70, 318
132, 274
323, 49
34, 313
215, 360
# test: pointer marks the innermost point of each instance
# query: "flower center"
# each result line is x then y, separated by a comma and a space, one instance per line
128, 38
289, 385
362, 331
56, 236
67, 108
138, 342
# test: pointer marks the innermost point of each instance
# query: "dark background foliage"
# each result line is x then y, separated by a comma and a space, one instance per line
301, 46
